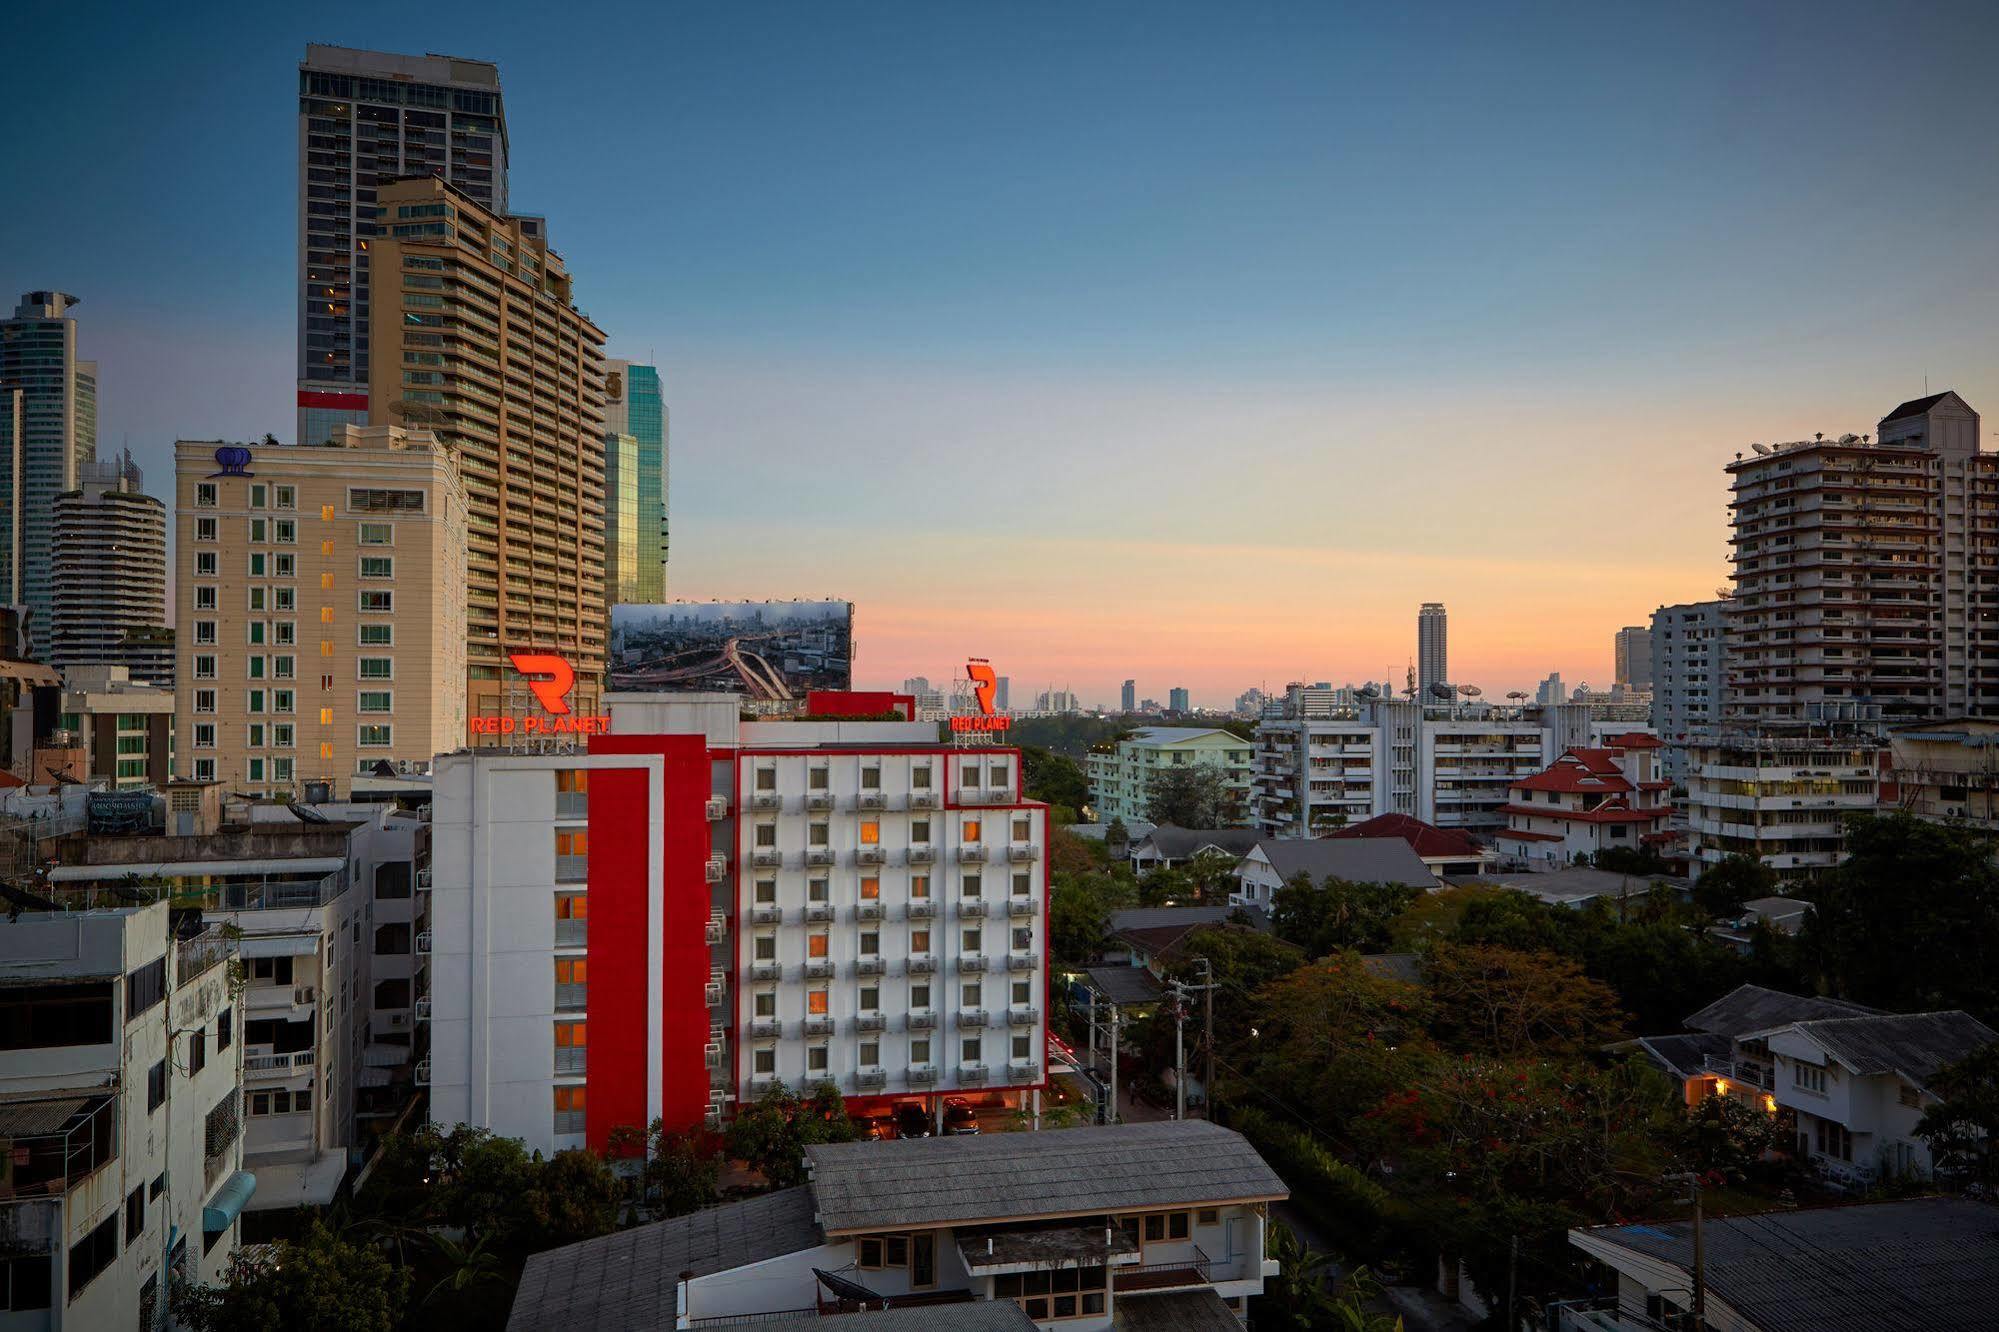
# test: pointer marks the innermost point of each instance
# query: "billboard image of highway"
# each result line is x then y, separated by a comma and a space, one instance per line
768, 651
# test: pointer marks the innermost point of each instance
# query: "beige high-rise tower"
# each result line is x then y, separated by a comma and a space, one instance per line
474, 335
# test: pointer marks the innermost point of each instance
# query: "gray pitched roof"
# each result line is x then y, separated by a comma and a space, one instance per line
1686, 1054
970, 1316
1158, 918
1177, 843
1068, 1172
1125, 984
1182, 1311
1355, 859
1749, 1008
1911, 1266
628, 1279
1914, 1045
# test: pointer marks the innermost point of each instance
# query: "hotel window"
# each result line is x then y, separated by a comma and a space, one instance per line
572, 920
766, 834
871, 1054
919, 1051
569, 1109
204, 564
871, 944
287, 497
969, 831
206, 529
819, 834
204, 735
1023, 1047
1023, 992
766, 892
256, 736
969, 885
816, 1003
258, 495
284, 599
285, 532
919, 778
257, 598
971, 994
1051, 1294
972, 1049
204, 667
284, 632
259, 530
378, 602
815, 890
919, 887
871, 777
1808, 1077
378, 668
817, 777
326, 548
375, 700
326, 513
765, 1061
378, 566
378, 635
971, 939
204, 494
919, 941
871, 832
1023, 938
919, 996
968, 774
871, 998
204, 770
204, 598
204, 631
1023, 828
1001, 774
764, 1004
284, 566
258, 630
284, 667
919, 831
763, 948
815, 1059
256, 668
766, 779
871, 889
374, 735
571, 1048
283, 700
259, 564
378, 534
1023, 885
816, 945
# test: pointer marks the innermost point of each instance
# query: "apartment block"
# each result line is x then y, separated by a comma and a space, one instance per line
109, 575
1687, 672
1948, 770
1633, 657
694, 908
120, 1113
124, 729
1781, 795
1121, 774
365, 119
475, 333
322, 608
1864, 571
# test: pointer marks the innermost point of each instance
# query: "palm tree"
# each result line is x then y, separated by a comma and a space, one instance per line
1297, 1298
466, 1266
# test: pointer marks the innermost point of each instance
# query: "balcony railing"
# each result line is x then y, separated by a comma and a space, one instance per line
279, 1065
972, 855
764, 1029
1022, 961
1023, 906
569, 933
571, 1060
923, 800
971, 1075
922, 908
869, 1022
923, 855
870, 966
767, 857
1023, 1016
766, 970
196, 955
819, 800
922, 1020
1166, 1274
766, 913
818, 911
1020, 851
922, 1075
871, 1077
819, 966
819, 855
871, 800
971, 906
820, 1025
766, 800
1023, 1070
572, 869
921, 964
572, 804
971, 1017
868, 910
871, 855
972, 962
571, 998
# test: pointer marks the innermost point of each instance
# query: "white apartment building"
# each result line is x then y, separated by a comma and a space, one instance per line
781, 901
120, 1115
1686, 677
109, 575
1157, 1225
1447, 766
1780, 796
1121, 774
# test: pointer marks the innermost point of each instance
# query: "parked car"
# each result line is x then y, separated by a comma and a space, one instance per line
881, 1128
912, 1120
959, 1117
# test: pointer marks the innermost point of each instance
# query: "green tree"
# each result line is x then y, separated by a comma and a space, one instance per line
773, 1131
316, 1283
1116, 836
1297, 1297
1079, 908
1728, 883
1962, 1129
466, 1267
683, 1170
1195, 796
571, 1196
1055, 779
1212, 876
1337, 914
1501, 1001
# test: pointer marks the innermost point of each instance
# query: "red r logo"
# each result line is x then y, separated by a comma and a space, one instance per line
554, 691
984, 683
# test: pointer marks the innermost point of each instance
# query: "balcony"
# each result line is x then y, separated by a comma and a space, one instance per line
972, 855
766, 913
1023, 961
422, 1008
718, 868
194, 956
871, 800
972, 962
923, 800
58, 1159
1022, 906
923, 855
922, 1075
921, 964
571, 1061
819, 855
971, 1075
568, 934
766, 800
572, 804
572, 869
1166, 1274
818, 911
261, 1066
767, 857
764, 1029
1018, 851
922, 1019
868, 910
871, 1078
869, 1022
819, 1025
819, 967
1028, 1016
264, 998
922, 909
766, 970
972, 1017
871, 855
971, 906
1022, 1071
819, 800
870, 966
571, 998
717, 808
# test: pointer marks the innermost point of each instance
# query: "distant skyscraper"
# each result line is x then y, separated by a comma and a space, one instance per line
1128, 697
1002, 684
366, 118
50, 435
110, 575
1686, 676
634, 406
1634, 657
916, 684
1552, 690
1178, 700
1432, 650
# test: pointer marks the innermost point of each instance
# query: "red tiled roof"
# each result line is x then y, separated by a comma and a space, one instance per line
1610, 811
1424, 839
9, 779
1522, 835
1636, 740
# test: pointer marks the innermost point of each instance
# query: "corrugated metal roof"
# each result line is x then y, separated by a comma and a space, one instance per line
1180, 1311
971, 1316
1914, 1045
1748, 1008
173, 869
863, 1186
1355, 859
1125, 985
34, 1119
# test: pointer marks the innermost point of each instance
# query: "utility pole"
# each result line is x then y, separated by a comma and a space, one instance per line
1693, 1181
1179, 1051
1110, 1115
1208, 1029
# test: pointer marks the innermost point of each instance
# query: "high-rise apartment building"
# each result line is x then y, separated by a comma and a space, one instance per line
367, 118
1863, 573
109, 599
1551, 691
476, 334
1128, 696
1433, 666
1634, 657
1686, 677
1178, 700
321, 607
52, 410
635, 484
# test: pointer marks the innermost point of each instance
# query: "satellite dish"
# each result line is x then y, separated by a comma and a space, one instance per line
1763, 449
1443, 691
1518, 695
1470, 691
1368, 691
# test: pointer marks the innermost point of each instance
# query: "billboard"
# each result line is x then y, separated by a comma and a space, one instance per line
768, 651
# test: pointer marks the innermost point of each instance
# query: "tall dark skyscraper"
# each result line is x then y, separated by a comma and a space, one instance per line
1433, 665
48, 431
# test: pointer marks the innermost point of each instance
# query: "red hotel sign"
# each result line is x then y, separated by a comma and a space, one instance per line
985, 685
553, 695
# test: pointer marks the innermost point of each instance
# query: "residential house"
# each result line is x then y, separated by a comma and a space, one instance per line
1588, 801
1273, 862
1444, 850
1156, 1225
1168, 846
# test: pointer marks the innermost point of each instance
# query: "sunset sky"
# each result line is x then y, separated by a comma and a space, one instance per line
1192, 343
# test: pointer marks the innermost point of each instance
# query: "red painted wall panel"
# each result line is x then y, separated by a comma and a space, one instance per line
616, 1031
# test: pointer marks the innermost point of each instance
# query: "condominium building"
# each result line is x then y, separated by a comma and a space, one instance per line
1686, 677
1154, 1226
1447, 765
1433, 658
1179, 700
125, 728
1863, 571
1121, 774
1781, 795
109, 580
635, 476
1633, 653
51, 408
476, 334
1128, 696
120, 1113
1590, 800
694, 908
321, 603
366, 118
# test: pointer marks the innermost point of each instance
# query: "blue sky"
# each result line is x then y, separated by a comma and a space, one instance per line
1199, 343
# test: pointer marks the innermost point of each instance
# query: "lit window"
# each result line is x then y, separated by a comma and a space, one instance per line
871, 832
871, 888
816, 945
815, 1003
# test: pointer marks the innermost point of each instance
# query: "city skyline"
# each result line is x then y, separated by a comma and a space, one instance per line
1583, 284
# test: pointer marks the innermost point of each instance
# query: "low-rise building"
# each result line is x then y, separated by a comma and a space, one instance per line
1588, 801
1445, 850
1275, 861
1912, 1263
1948, 770
1121, 774
120, 1114
125, 729
1146, 1226
1169, 846
1781, 795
